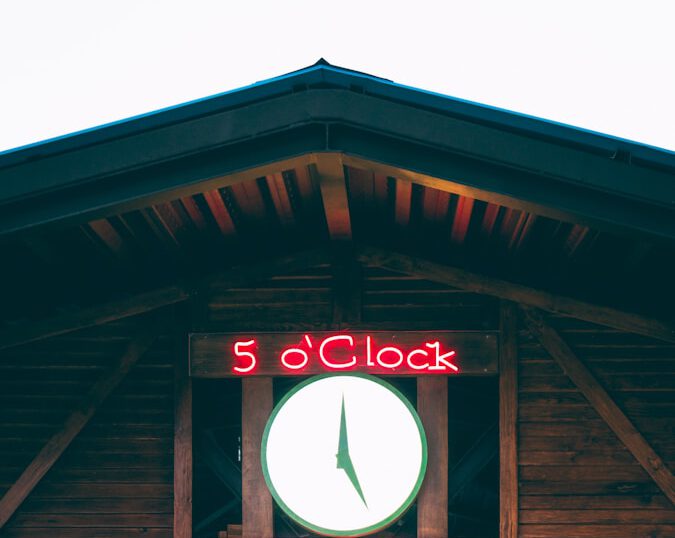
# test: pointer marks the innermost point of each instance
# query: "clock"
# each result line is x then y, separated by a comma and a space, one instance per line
344, 455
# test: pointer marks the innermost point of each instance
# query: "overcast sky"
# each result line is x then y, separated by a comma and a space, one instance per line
603, 65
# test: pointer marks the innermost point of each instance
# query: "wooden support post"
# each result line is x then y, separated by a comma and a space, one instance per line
432, 502
508, 415
182, 435
256, 406
77, 420
601, 401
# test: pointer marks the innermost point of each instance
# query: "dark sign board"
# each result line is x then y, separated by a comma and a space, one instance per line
218, 355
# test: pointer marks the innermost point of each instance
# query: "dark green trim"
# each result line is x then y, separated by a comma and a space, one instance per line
551, 170
354, 532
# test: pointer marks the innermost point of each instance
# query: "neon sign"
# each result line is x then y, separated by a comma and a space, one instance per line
341, 352
375, 352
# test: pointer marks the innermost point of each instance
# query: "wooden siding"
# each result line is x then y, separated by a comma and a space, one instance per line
304, 300
576, 478
115, 479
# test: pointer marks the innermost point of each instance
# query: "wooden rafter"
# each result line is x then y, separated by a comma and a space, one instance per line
403, 201
77, 420
152, 300
510, 291
601, 401
329, 174
481, 453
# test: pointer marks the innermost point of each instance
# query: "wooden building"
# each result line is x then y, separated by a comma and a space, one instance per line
331, 200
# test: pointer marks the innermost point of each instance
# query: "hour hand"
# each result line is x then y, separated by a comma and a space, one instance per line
344, 461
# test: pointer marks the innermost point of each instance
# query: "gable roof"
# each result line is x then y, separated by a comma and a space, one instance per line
527, 163
323, 155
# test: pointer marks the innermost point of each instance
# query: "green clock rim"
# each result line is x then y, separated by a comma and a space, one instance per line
380, 524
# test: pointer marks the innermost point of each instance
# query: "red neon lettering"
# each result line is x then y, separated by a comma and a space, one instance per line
303, 361
417, 366
369, 351
247, 354
441, 358
390, 349
327, 361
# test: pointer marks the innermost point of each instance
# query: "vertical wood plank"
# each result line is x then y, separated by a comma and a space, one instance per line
182, 435
256, 406
508, 413
432, 502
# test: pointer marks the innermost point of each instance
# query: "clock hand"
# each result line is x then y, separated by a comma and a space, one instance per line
348, 467
344, 460
343, 443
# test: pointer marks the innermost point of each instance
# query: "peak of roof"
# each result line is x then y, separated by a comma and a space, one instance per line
324, 75
322, 64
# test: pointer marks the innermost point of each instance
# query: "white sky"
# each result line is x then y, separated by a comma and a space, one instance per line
607, 66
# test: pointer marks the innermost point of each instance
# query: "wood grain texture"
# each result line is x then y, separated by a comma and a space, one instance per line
518, 293
508, 415
329, 173
347, 291
601, 401
89, 317
58, 443
256, 406
158, 298
432, 502
182, 437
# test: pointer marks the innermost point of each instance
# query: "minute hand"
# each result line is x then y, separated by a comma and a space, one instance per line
344, 461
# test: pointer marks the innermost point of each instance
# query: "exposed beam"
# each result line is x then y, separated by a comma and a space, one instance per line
486, 181
508, 416
182, 433
77, 420
152, 300
601, 401
216, 459
432, 501
89, 317
217, 514
256, 500
474, 461
510, 291
593, 178
403, 199
329, 174
230, 475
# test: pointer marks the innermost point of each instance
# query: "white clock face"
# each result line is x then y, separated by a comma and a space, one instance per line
344, 455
